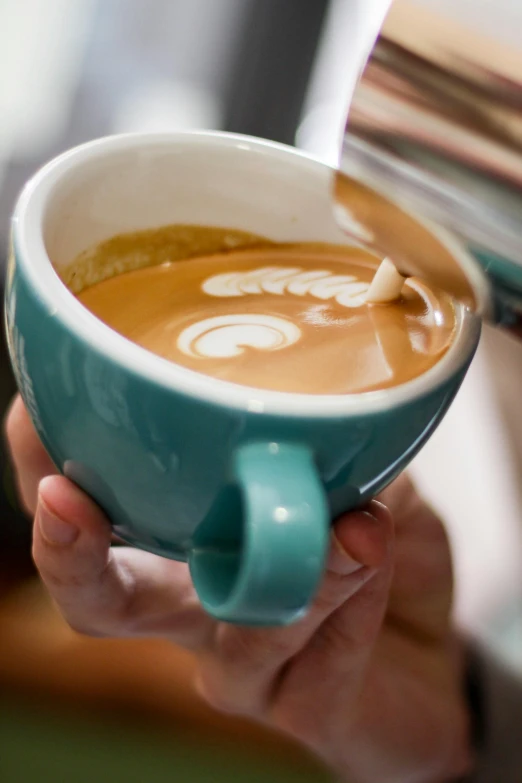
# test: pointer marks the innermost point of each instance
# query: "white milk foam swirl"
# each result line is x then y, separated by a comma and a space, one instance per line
225, 336
345, 289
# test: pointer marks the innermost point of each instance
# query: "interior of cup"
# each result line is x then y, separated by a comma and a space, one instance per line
239, 186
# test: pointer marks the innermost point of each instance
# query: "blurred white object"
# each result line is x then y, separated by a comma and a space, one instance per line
505, 16
166, 106
43, 45
350, 29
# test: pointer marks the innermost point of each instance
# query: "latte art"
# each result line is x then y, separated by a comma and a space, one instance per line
291, 318
347, 290
228, 335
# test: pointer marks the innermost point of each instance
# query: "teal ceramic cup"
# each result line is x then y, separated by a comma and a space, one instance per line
241, 483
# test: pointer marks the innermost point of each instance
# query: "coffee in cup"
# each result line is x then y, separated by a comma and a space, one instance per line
282, 317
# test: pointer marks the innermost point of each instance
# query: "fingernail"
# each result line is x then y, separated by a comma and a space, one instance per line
340, 562
55, 530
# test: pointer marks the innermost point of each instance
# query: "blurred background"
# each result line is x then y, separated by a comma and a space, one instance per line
73, 70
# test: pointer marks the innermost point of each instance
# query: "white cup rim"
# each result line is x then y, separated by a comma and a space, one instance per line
59, 302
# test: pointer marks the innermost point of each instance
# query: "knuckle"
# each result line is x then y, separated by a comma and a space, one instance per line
337, 637
58, 581
52, 576
91, 619
243, 646
342, 639
336, 589
332, 592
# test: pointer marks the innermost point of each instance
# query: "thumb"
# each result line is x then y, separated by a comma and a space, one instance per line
240, 673
109, 592
330, 671
422, 589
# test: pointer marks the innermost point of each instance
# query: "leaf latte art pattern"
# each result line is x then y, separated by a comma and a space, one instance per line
347, 290
225, 336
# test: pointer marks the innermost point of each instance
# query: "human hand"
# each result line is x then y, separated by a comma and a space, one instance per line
371, 678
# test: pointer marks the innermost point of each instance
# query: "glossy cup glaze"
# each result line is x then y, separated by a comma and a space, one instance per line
241, 483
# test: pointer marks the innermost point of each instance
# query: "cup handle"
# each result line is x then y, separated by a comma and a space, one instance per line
268, 571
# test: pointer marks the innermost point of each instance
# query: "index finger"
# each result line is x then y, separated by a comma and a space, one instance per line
110, 592
30, 460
